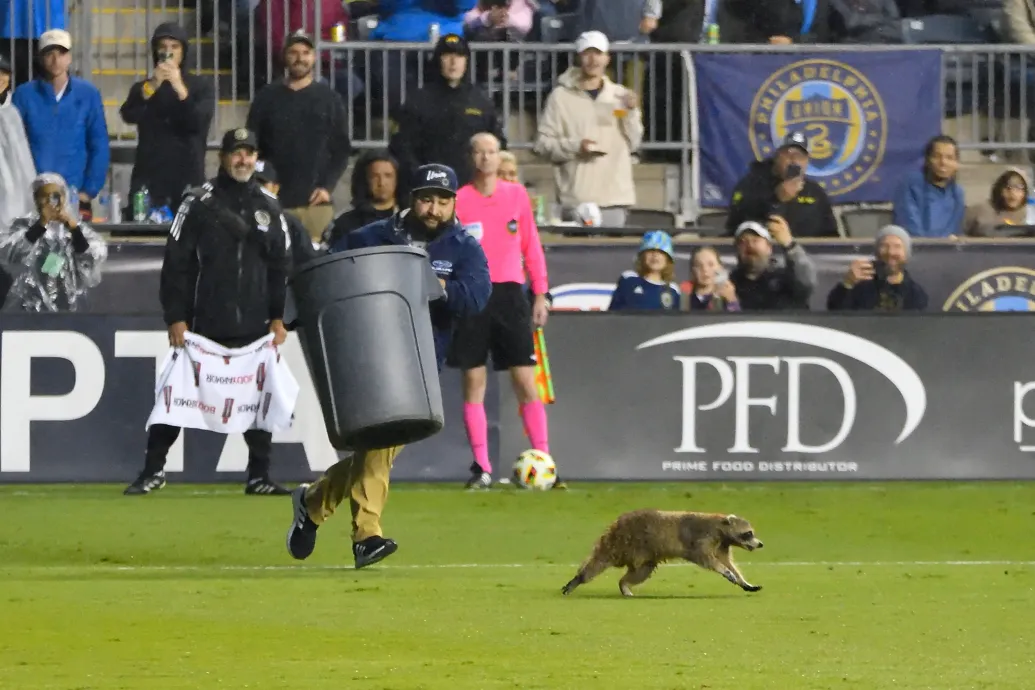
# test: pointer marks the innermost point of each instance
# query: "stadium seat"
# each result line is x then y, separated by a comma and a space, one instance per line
650, 218
864, 222
559, 28
711, 224
960, 72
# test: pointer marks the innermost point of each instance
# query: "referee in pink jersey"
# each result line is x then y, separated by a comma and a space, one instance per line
499, 215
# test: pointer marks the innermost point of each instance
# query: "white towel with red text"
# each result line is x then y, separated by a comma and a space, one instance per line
204, 385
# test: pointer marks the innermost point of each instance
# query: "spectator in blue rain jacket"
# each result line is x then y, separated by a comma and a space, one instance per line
64, 121
411, 20
929, 202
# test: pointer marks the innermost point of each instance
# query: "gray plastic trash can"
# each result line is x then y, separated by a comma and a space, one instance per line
365, 328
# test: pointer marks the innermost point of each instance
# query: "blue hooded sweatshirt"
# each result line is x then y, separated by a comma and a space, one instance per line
68, 137
927, 210
456, 257
410, 20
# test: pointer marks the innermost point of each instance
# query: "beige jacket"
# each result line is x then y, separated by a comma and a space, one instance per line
1019, 21
570, 116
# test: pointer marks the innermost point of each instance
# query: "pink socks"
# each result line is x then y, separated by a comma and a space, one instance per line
478, 434
533, 414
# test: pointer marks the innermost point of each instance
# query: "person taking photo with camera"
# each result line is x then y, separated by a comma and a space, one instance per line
52, 257
172, 111
882, 282
778, 186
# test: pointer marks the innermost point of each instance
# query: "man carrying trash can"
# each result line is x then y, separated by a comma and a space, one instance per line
463, 271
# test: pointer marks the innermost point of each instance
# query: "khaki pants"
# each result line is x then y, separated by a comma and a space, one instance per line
364, 477
315, 219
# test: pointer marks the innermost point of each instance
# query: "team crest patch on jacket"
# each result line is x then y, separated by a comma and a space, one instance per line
263, 220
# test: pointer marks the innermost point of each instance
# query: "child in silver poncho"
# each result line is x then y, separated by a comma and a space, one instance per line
52, 257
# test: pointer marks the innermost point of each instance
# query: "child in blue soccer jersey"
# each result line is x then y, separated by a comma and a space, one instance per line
711, 289
650, 286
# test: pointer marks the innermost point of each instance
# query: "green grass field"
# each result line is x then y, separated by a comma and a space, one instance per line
866, 586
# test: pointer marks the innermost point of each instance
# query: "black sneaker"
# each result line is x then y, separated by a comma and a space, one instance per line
560, 484
264, 486
146, 483
372, 550
301, 536
480, 480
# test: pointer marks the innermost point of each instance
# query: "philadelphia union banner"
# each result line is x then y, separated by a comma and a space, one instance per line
867, 116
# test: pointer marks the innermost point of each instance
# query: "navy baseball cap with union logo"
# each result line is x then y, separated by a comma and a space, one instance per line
435, 176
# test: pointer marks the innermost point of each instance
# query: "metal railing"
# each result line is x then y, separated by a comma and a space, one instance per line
988, 91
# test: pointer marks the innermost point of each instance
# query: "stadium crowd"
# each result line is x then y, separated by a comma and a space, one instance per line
590, 130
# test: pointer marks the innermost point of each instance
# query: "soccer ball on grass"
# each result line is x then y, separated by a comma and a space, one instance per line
535, 469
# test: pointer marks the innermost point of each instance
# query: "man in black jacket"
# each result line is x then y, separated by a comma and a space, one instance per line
778, 186
881, 283
437, 122
172, 112
375, 181
762, 282
224, 277
302, 128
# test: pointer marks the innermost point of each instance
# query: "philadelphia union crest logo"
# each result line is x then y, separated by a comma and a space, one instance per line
1006, 288
840, 111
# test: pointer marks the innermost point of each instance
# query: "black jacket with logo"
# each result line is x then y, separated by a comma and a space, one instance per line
878, 295
172, 133
226, 261
436, 125
754, 198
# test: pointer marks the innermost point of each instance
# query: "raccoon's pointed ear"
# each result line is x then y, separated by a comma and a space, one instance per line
729, 519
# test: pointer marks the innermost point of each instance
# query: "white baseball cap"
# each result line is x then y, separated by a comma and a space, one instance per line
592, 39
55, 38
755, 227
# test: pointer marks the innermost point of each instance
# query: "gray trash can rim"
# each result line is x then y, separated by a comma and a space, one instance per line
355, 253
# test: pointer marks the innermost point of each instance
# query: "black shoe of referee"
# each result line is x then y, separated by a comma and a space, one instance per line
264, 486
146, 483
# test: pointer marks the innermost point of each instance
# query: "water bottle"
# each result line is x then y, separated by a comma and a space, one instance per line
433, 32
713, 34
141, 205
73, 202
115, 212
1029, 214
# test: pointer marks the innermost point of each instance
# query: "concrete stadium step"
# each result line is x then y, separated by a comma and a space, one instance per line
134, 22
115, 83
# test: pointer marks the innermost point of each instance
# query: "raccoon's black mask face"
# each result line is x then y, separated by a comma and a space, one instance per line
740, 533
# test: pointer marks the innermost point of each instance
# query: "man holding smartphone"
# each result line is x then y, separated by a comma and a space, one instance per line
881, 283
172, 112
778, 187
52, 258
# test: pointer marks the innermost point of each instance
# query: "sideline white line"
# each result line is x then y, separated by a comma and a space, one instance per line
100, 567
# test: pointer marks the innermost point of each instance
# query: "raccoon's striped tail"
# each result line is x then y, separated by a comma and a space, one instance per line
593, 566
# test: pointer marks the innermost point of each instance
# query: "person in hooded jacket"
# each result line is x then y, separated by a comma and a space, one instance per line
463, 271
52, 257
17, 171
437, 122
172, 111
779, 186
375, 181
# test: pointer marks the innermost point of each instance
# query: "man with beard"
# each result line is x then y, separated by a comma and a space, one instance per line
463, 271
929, 202
375, 180
881, 283
172, 111
761, 282
302, 129
224, 277
437, 122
